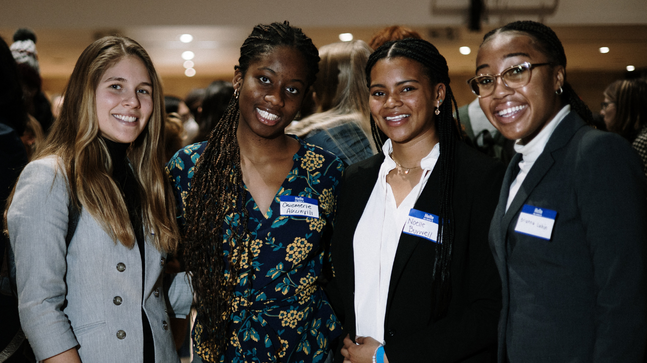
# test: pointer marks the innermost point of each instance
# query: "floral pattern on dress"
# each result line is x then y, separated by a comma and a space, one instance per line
280, 312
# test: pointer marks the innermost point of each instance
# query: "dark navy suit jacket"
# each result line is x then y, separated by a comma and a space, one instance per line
580, 296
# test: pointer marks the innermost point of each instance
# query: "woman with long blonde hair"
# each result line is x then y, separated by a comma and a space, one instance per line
89, 223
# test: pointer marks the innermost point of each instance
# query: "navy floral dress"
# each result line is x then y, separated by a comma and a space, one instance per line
285, 316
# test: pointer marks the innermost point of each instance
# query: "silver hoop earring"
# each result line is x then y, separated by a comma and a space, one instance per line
559, 91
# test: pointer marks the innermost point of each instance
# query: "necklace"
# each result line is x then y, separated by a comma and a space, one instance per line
402, 169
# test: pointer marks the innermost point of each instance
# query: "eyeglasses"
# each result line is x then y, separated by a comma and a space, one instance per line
606, 104
513, 77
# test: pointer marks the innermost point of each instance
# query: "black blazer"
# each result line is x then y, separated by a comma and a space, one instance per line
468, 332
580, 296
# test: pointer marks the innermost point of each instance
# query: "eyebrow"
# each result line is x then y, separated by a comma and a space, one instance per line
397, 84
509, 55
121, 79
273, 72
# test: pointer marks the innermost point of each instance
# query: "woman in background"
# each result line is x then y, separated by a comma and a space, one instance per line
625, 112
89, 222
340, 123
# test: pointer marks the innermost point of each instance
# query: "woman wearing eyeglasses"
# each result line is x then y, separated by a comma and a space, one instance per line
569, 234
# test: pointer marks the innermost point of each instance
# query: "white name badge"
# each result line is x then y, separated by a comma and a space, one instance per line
422, 224
536, 222
299, 206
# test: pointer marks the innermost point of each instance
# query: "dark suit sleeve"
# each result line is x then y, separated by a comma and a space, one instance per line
611, 193
470, 327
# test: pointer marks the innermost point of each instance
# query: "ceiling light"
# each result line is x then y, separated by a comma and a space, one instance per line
345, 37
188, 64
465, 50
186, 38
630, 68
189, 72
604, 50
188, 55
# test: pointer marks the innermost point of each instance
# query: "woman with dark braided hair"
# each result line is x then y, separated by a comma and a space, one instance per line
569, 235
414, 278
257, 208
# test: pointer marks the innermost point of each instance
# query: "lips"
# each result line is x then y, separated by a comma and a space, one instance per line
267, 118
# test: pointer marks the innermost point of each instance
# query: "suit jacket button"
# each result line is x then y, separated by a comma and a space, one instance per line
117, 300
121, 267
156, 292
121, 334
391, 332
164, 325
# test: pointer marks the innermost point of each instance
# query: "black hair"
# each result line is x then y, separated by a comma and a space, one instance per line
171, 103
214, 105
552, 47
14, 112
217, 191
436, 70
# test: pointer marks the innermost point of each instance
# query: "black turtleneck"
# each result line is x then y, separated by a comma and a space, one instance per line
123, 175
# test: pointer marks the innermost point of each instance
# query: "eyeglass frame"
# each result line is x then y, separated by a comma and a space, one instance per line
529, 66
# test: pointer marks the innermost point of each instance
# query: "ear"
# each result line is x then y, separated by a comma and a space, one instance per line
238, 80
439, 93
560, 77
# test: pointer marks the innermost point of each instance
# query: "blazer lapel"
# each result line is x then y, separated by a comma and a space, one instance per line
499, 238
560, 137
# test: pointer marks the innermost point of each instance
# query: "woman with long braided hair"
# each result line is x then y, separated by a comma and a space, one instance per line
413, 274
569, 235
257, 208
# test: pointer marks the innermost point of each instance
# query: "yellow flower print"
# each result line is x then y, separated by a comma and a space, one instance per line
312, 161
256, 247
316, 224
297, 250
284, 347
326, 200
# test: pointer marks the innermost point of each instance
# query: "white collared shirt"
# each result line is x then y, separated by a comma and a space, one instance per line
532, 150
376, 241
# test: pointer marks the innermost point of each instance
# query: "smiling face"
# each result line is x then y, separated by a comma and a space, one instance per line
124, 100
271, 91
519, 113
402, 100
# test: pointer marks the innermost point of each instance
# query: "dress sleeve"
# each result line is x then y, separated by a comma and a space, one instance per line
37, 221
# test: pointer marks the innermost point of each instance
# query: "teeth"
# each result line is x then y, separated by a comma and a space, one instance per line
267, 115
397, 118
126, 118
511, 110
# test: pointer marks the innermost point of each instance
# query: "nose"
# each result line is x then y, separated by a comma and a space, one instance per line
131, 99
500, 88
275, 97
391, 101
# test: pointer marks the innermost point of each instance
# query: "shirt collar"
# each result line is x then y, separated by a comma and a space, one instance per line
535, 147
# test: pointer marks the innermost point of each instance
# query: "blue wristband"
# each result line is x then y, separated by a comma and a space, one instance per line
379, 354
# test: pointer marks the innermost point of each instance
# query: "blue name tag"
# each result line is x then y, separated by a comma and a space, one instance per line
299, 206
536, 222
422, 224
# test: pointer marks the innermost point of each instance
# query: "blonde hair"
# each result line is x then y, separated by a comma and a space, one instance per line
75, 139
341, 94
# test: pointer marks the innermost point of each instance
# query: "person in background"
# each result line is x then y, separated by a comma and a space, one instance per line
391, 33
257, 207
625, 112
91, 220
173, 104
569, 235
214, 105
341, 122
24, 52
414, 279
13, 157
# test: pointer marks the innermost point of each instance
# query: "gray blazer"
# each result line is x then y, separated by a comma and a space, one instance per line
580, 296
89, 295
